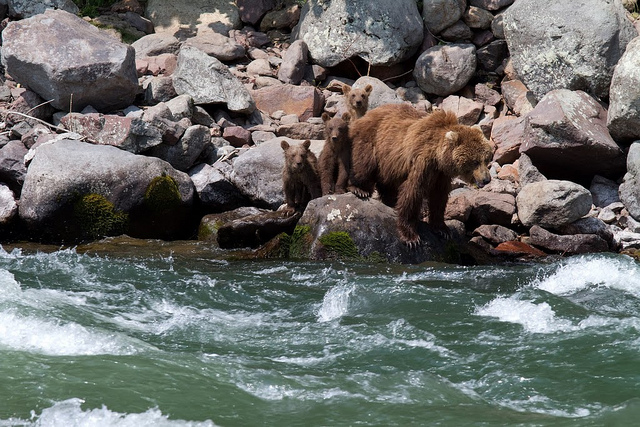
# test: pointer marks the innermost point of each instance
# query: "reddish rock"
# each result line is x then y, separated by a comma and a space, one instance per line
507, 133
467, 110
518, 248
303, 101
237, 136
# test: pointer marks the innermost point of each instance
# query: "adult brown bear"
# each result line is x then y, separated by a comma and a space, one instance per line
410, 156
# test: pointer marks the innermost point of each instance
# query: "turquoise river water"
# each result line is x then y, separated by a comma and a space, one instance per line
143, 339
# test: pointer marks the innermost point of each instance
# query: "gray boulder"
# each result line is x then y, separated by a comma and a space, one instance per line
184, 154
630, 187
209, 81
65, 59
552, 203
215, 191
79, 191
20, 9
130, 134
156, 44
566, 137
562, 45
443, 70
8, 205
383, 32
186, 19
217, 45
293, 64
257, 172
440, 14
623, 117
12, 167
344, 226
567, 244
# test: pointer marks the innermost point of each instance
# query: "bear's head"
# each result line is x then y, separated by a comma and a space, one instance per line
336, 129
358, 98
471, 154
296, 156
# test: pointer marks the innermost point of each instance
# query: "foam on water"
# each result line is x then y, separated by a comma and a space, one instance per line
535, 318
69, 413
335, 303
26, 333
581, 273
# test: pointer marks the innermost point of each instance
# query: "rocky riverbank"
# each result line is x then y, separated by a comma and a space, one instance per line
176, 135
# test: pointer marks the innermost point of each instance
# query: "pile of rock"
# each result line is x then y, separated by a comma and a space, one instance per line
179, 132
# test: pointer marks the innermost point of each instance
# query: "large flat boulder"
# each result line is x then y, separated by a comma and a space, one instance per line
565, 45
185, 19
66, 60
382, 32
79, 191
566, 137
209, 81
623, 117
20, 9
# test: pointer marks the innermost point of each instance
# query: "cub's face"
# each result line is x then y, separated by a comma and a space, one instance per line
295, 156
358, 98
336, 129
472, 155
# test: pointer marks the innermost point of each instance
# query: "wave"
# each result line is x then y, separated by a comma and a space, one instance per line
69, 413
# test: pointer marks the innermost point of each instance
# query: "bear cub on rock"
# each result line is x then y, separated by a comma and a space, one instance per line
335, 159
410, 156
300, 180
357, 100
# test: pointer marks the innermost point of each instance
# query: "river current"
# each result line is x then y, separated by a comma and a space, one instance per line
182, 339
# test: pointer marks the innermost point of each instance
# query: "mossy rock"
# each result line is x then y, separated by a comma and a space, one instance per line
96, 217
296, 244
340, 244
162, 194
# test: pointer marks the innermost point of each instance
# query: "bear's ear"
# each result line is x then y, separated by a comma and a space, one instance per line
368, 89
451, 137
346, 117
346, 89
325, 117
284, 144
306, 144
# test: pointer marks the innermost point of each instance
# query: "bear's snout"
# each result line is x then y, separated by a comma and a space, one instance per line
482, 178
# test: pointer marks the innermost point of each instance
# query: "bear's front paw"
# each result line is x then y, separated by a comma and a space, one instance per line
359, 192
288, 210
410, 238
443, 232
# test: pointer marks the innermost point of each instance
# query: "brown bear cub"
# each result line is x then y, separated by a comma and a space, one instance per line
335, 160
300, 180
357, 100
409, 156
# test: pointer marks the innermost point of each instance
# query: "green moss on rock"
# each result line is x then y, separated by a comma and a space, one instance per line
340, 244
162, 194
96, 217
297, 244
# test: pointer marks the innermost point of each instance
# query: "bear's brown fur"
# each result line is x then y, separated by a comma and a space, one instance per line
409, 156
334, 162
357, 100
300, 180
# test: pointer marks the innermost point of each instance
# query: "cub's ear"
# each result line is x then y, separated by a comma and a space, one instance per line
451, 137
325, 117
368, 89
284, 144
306, 144
346, 89
346, 117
